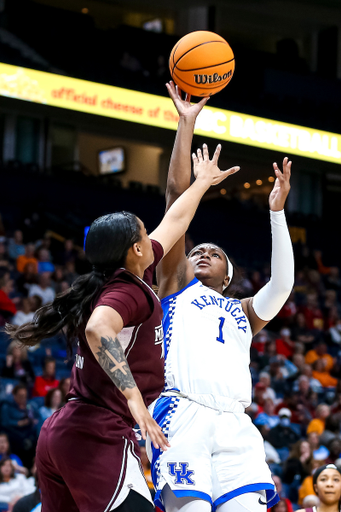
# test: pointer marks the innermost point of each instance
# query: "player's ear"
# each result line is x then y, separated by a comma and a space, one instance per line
137, 250
226, 282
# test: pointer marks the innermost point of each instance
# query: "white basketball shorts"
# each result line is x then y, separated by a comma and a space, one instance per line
214, 455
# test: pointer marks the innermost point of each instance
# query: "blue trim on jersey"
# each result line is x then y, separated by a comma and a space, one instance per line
182, 494
191, 283
271, 495
164, 408
37, 508
168, 306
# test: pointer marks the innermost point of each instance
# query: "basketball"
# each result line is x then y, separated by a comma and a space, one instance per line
201, 63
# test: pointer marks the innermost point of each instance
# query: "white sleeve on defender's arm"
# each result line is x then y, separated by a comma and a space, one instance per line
270, 299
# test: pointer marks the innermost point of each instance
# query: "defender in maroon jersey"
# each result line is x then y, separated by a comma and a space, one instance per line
87, 454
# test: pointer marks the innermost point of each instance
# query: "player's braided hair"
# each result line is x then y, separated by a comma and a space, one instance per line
106, 247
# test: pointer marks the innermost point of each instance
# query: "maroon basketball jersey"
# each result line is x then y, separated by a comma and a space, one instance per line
142, 342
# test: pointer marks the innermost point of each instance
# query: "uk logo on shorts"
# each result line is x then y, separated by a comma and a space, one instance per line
181, 473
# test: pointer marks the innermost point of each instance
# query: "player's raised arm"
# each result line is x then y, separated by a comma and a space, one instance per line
180, 214
268, 301
179, 173
101, 333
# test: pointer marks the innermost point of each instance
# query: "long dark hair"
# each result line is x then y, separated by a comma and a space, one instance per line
106, 247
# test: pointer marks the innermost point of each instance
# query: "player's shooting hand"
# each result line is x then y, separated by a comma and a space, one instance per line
281, 188
146, 423
206, 169
184, 107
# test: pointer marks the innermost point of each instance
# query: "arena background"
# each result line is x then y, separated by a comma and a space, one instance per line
288, 71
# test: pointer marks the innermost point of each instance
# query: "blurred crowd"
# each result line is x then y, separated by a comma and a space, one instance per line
295, 367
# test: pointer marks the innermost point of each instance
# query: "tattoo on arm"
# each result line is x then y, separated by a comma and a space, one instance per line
113, 361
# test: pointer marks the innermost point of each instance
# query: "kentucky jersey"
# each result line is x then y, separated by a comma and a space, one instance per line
207, 344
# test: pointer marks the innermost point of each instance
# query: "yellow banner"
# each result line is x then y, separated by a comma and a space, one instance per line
149, 109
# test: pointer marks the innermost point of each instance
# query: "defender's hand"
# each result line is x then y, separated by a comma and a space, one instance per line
146, 423
206, 169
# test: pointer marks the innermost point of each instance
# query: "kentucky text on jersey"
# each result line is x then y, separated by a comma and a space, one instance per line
232, 306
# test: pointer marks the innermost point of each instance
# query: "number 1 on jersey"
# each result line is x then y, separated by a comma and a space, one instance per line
221, 325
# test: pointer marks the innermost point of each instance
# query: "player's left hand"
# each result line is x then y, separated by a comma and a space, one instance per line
207, 169
281, 188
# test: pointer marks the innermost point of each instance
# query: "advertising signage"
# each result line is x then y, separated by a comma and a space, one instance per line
149, 109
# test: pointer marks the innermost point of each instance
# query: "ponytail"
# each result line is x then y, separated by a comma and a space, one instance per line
68, 311
106, 247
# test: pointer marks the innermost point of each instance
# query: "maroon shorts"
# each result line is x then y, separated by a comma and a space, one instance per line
81, 458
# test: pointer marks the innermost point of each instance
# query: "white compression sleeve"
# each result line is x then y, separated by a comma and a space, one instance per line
269, 300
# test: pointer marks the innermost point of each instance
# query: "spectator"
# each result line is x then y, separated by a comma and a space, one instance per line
271, 454
48, 380
57, 278
18, 365
282, 436
70, 273
7, 306
3, 255
258, 395
264, 378
259, 342
314, 384
283, 498
26, 279
5, 453
310, 501
43, 289
320, 452
284, 344
307, 487
29, 306
320, 352
334, 447
15, 245
299, 464
64, 386
299, 362
69, 253
335, 333
26, 258
281, 506
29, 502
19, 423
268, 416
52, 402
312, 313
301, 333
44, 263
332, 429
318, 424
12, 486
288, 311
322, 375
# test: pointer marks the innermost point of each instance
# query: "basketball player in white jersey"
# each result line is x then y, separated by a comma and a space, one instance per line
216, 460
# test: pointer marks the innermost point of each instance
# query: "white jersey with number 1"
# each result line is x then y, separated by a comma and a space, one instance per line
215, 453
207, 344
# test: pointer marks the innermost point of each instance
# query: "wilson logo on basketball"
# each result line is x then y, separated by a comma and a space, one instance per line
211, 79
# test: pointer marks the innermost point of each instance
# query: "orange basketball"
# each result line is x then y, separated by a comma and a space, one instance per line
201, 63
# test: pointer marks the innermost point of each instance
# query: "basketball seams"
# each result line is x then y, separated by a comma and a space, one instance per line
205, 67
194, 47
173, 55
